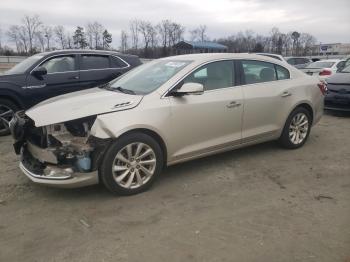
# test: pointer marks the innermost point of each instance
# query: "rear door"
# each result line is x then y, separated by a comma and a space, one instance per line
98, 69
264, 98
62, 77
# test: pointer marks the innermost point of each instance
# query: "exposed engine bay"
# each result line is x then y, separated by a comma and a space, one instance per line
57, 151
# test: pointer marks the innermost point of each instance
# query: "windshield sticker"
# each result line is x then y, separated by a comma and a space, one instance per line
175, 64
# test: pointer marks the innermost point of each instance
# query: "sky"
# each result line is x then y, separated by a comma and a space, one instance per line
328, 21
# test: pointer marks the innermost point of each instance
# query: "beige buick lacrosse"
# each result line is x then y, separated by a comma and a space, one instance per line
162, 113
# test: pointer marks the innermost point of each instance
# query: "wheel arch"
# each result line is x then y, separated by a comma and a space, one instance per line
154, 135
8, 95
306, 106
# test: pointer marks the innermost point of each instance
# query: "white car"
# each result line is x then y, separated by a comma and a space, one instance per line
324, 68
162, 113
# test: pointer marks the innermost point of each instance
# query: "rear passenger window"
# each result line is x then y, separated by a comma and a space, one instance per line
117, 62
282, 73
258, 71
94, 62
213, 76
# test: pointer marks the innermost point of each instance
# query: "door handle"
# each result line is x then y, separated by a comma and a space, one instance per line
286, 94
233, 104
73, 77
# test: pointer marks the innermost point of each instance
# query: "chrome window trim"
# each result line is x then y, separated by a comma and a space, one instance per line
75, 54
127, 64
227, 59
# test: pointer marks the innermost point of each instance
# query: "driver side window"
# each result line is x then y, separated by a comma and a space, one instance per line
60, 64
213, 76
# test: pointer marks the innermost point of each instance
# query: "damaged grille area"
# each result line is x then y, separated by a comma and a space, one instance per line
57, 149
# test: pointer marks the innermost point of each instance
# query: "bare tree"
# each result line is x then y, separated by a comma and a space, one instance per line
60, 35
69, 41
39, 36
274, 36
31, 26
175, 32
307, 41
199, 34
48, 34
123, 41
146, 31
95, 33
163, 29
134, 32
13, 35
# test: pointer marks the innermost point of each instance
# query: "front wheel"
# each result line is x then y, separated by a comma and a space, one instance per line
131, 164
297, 129
7, 109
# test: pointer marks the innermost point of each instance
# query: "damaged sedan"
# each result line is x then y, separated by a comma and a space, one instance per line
165, 112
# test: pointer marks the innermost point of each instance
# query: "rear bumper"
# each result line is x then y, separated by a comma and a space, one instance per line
70, 180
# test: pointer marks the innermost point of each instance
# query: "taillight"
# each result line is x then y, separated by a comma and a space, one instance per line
323, 87
325, 72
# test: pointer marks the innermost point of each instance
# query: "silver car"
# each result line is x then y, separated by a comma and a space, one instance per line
162, 113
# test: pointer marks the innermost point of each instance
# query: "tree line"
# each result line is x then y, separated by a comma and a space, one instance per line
145, 39
33, 36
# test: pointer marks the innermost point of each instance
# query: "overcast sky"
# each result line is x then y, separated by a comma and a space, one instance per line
328, 21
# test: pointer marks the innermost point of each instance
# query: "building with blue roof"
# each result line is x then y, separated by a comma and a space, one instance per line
192, 47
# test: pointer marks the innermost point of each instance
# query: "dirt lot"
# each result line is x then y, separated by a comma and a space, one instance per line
261, 203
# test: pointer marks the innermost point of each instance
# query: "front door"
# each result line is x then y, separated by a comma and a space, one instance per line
62, 77
211, 121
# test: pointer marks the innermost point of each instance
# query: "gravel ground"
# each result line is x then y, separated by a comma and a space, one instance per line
261, 203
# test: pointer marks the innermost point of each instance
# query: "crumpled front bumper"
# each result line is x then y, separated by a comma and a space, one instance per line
66, 179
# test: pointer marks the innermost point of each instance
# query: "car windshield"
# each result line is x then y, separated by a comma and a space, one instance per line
321, 64
346, 69
148, 77
24, 65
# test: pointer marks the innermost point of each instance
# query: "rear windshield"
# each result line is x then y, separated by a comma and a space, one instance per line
321, 64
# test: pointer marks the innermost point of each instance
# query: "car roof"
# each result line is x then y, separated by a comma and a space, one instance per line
205, 57
82, 51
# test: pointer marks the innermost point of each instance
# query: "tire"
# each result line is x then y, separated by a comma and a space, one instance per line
124, 171
7, 109
295, 132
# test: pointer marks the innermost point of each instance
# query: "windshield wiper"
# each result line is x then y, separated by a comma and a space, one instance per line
124, 90
105, 86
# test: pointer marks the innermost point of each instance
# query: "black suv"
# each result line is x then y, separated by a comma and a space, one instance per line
46, 75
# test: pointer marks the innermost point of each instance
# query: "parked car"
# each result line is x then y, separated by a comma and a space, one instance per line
324, 68
298, 62
165, 112
338, 95
46, 75
275, 56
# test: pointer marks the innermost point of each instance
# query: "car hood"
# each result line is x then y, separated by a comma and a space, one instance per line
81, 104
339, 78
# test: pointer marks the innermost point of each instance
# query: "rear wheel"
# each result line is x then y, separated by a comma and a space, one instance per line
7, 109
131, 164
297, 129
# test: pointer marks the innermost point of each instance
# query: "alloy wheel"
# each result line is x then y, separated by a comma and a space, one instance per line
134, 165
298, 128
6, 115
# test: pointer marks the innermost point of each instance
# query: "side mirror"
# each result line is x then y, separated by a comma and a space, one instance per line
190, 89
39, 72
